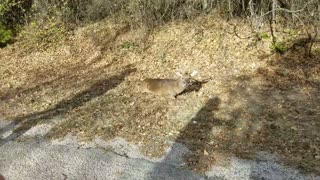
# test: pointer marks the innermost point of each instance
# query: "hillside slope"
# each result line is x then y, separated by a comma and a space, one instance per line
243, 100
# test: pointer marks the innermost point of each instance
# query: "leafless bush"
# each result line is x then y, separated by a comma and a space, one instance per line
154, 12
295, 13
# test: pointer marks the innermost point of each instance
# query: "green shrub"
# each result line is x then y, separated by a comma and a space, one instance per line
128, 45
45, 27
279, 47
5, 36
12, 17
264, 35
291, 32
40, 34
5, 33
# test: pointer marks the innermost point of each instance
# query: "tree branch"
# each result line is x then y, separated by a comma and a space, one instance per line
287, 10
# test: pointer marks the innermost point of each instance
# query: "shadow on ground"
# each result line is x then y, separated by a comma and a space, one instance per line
197, 137
24, 123
276, 110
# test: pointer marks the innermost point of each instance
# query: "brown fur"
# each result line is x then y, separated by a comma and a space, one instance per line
163, 87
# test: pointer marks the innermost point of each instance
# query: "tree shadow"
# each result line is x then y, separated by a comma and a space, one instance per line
26, 90
107, 42
303, 44
279, 112
36, 81
196, 136
291, 70
276, 110
23, 123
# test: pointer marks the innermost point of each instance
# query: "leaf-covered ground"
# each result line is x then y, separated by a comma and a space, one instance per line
243, 100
